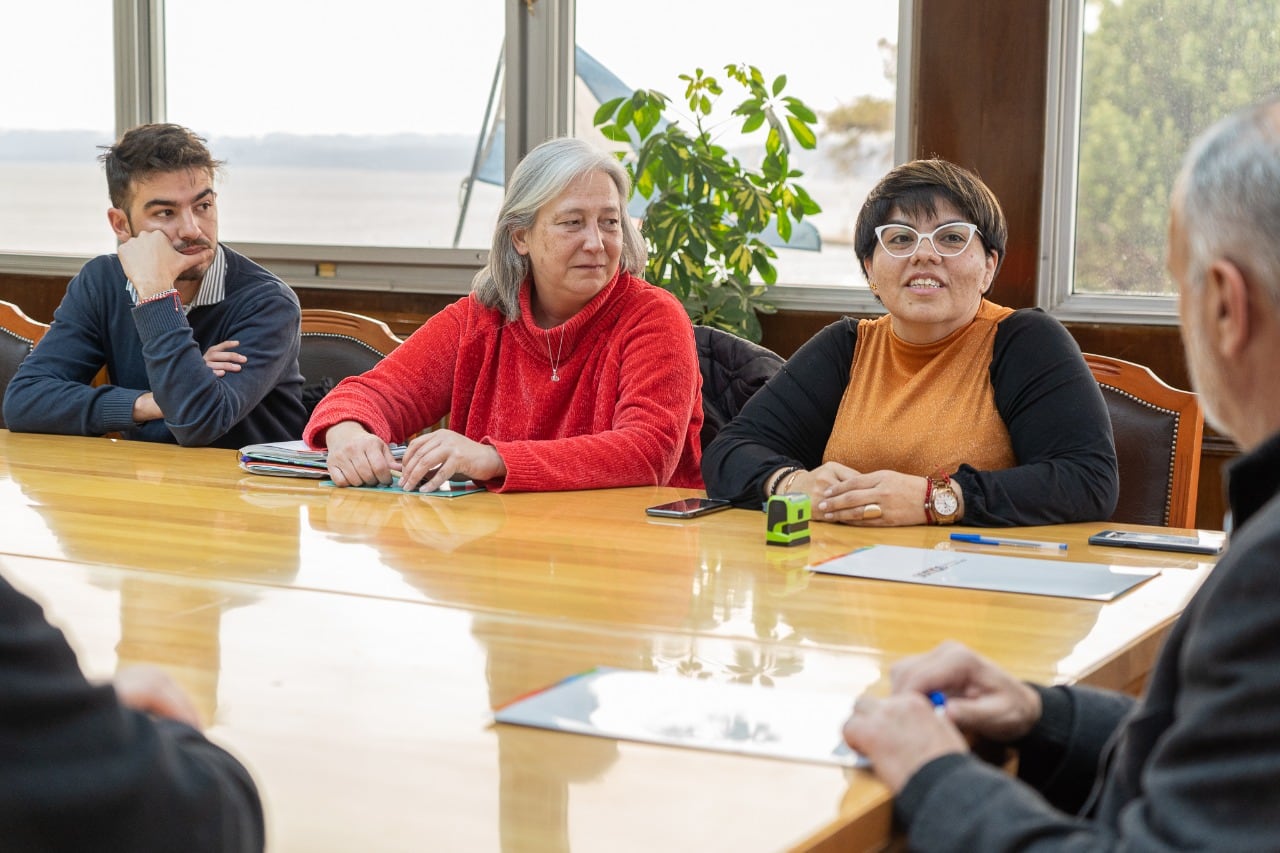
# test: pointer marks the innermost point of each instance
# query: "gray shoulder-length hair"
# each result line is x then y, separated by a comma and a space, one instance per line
543, 174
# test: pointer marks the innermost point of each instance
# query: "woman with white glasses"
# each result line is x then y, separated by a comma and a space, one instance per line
949, 408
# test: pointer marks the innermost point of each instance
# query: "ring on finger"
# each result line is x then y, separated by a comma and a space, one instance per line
871, 511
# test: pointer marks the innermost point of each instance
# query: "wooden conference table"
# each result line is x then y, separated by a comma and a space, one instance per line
349, 645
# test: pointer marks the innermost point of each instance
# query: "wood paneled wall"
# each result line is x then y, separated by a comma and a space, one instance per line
979, 91
979, 100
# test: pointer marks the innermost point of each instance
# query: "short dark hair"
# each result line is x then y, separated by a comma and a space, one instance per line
150, 149
914, 188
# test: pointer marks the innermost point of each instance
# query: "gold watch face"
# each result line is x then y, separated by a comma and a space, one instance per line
945, 503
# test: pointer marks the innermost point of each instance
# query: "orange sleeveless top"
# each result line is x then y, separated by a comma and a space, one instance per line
915, 408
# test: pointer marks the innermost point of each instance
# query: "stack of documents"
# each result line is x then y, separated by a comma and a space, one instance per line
291, 459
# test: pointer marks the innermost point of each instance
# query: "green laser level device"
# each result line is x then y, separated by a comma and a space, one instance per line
787, 520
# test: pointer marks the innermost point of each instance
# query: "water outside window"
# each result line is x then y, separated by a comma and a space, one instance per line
368, 137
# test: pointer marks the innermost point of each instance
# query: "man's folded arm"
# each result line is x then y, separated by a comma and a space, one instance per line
199, 406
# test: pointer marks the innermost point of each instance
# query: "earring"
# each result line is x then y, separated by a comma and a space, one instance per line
872, 286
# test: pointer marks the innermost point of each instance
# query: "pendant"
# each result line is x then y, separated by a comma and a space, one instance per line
555, 377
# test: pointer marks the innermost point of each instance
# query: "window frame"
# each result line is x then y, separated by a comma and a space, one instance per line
1055, 277
539, 39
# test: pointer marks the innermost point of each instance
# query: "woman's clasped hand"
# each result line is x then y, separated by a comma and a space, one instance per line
878, 499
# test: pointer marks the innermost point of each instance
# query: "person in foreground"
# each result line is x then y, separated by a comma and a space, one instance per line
1194, 764
949, 408
561, 370
103, 767
200, 344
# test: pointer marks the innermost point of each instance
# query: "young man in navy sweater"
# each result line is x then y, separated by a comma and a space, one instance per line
200, 344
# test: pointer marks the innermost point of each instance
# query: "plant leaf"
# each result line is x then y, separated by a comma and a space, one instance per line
625, 112
800, 110
784, 228
753, 122
615, 133
802, 132
605, 110
646, 119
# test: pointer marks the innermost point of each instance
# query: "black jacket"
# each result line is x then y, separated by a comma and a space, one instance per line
79, 771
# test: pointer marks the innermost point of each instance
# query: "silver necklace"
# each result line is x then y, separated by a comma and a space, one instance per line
555, 362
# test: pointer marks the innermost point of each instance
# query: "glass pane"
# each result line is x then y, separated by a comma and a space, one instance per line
56, 87
339, 124
847, 74
1138, 117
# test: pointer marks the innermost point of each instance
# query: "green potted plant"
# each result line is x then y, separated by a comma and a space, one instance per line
705, 210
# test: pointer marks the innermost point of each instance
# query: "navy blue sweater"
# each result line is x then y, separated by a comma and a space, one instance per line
155, 347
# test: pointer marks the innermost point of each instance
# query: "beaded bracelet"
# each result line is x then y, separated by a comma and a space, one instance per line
789, 471
162, 295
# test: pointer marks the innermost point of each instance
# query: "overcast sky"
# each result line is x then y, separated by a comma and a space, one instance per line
412, 65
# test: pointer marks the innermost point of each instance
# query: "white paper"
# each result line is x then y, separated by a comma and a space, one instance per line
697, 713
973, 570
294, 452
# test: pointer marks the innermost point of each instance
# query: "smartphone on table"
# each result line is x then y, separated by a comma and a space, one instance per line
688, 508
1203, 542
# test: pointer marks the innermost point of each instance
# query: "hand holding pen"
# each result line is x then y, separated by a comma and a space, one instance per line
900, 734
937, 696
975, 694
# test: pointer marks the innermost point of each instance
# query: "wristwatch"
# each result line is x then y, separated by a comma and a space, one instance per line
941, 506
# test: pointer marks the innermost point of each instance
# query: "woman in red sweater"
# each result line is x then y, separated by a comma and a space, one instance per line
560, 370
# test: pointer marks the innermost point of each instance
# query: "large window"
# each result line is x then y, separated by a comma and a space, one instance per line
340, 124
1140, 79
372, 137
58, 105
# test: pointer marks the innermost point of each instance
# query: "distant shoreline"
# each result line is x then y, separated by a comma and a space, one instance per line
389, 152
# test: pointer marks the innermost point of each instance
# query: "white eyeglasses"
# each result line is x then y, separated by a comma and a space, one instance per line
902, 241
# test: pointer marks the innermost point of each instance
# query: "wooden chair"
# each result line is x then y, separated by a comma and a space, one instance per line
1158, 430
338, 344
18, 336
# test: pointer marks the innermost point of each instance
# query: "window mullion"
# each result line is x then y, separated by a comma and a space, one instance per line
539, 82
139, 62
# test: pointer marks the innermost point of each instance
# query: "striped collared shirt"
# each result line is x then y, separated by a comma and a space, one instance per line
213, 287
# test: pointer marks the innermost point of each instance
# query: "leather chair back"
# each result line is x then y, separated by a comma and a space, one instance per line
1158, 432
733, 369
18, 336
338, 344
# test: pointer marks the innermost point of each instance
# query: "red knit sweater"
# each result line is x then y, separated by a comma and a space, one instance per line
626, 411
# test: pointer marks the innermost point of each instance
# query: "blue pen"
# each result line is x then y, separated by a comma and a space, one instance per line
939, 700
976, 539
